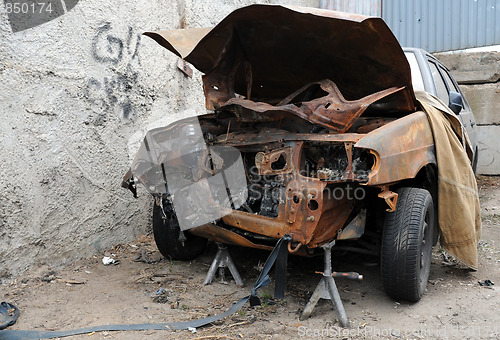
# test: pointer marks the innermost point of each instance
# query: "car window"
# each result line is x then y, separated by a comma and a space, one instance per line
454, 87
442, 91
448, 80
416, 75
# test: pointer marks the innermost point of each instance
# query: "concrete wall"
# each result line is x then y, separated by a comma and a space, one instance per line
73, 93
478, 74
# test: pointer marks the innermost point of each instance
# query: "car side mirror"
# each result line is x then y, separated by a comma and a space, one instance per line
456, 103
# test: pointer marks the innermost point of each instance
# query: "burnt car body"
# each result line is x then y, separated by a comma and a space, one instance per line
316, 111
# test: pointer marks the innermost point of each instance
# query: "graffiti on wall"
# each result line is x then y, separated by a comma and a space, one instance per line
110, 93
109, 48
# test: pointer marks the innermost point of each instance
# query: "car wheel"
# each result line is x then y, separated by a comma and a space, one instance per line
169, 239
407, 245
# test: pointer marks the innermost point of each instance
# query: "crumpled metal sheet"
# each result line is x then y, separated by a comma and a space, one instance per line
331, 111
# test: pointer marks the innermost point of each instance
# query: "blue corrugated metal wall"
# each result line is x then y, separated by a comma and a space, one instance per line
365, 7
434, 25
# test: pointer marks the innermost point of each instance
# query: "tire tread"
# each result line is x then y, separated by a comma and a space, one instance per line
400, 260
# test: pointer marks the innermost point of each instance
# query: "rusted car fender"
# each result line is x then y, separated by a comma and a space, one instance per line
401, 148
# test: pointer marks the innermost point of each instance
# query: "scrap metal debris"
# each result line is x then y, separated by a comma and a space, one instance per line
486, 283
161, 295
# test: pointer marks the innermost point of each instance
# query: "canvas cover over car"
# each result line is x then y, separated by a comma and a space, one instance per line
458, 198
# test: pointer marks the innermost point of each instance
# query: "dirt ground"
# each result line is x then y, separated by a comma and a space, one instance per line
87, 293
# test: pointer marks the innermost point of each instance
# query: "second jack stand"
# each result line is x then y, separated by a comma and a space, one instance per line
327, 289
223, 259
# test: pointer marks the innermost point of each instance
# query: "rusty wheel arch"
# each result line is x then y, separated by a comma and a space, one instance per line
426, 178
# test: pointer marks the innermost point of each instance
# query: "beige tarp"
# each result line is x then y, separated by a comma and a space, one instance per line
458, 199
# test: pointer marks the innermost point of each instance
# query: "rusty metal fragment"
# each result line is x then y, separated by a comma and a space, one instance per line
185, 68
391, 198
331, 110
355, 228
275, 162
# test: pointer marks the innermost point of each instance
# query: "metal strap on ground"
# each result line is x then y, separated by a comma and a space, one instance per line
262, 281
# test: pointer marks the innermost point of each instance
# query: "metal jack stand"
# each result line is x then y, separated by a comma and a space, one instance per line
223, 259
327, 289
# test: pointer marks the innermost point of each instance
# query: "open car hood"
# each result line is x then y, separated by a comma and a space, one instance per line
264, 53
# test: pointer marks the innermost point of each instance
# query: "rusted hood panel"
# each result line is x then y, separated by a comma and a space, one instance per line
180, 42
266, 52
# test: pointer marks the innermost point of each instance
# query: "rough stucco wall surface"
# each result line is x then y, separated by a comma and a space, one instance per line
489, 150
75, 93
484, 99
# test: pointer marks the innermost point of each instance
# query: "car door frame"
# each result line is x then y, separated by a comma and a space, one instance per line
465, 115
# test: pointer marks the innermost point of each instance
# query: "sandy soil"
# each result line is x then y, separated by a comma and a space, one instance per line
87, 293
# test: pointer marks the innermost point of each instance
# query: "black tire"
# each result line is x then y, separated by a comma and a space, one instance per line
166, 232
407, 245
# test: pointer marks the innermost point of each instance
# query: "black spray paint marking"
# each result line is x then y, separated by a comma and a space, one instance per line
108, 48
112, 91
113, 46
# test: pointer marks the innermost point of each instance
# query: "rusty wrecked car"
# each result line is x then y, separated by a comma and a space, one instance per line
313, 130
